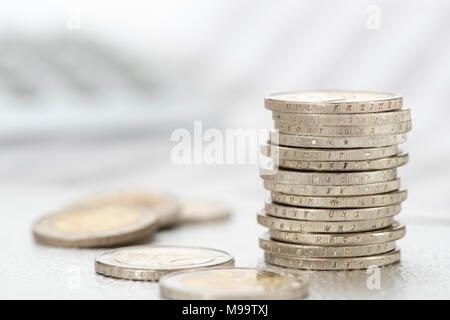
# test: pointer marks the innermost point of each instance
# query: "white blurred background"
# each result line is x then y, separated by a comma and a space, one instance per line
91, 90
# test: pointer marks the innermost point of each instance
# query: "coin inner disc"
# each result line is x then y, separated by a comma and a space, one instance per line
163, 257
95, 220
227, 280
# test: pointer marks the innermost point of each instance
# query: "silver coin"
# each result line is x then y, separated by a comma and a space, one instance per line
365, 165
291, 140
337, 101
304, 154
98, 226
375, 200
392, 233
354, 263
200, 210
232, 284
308, 251
307, 226
354, 190
166, 206
329, 178
150, 263
314, 214
366, 119
343, 131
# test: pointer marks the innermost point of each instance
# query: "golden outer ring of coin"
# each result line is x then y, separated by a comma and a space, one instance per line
141, 273
330, 178
304, 154
43, 233
327, 191
322, 226
344, 119
168, 211
333, 263
375, 200
291, 140
366, 165
296, 287
385, 102
313, 214
395, 232
307, 251
343, 131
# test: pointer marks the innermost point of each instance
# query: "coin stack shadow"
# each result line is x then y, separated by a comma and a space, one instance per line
334, 189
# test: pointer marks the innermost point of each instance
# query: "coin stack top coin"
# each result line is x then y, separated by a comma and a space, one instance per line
334, 184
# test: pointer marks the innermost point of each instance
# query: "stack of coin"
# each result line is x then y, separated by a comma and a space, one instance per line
334, 184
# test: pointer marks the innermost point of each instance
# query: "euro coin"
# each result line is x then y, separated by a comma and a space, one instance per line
321, 214
308, 251
392, 233
364, 165
150, 263
354, 190
311, 154
95, 227
334, 142
232, 284
369, 201
353, 263
337, 101
366, 119
343, 131
307, 226
329, 178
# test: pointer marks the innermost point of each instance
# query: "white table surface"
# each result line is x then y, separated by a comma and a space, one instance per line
40, 177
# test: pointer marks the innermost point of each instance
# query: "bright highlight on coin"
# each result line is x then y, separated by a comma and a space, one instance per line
149, 263
95, 227
232, 284
197, 211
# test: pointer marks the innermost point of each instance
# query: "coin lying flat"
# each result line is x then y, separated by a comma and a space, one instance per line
392, 233
95, 227
343, 131
305, 251
291, 140
314, 214
365, 165
336, 101
354, 190
150, 263
330, 178
304, 154
165, 206
232, 284
354, 263
366, 119
322, 226
196, 211
374, 200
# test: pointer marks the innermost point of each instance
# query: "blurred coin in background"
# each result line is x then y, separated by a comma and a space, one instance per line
98, 226
165, 206
198, 210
